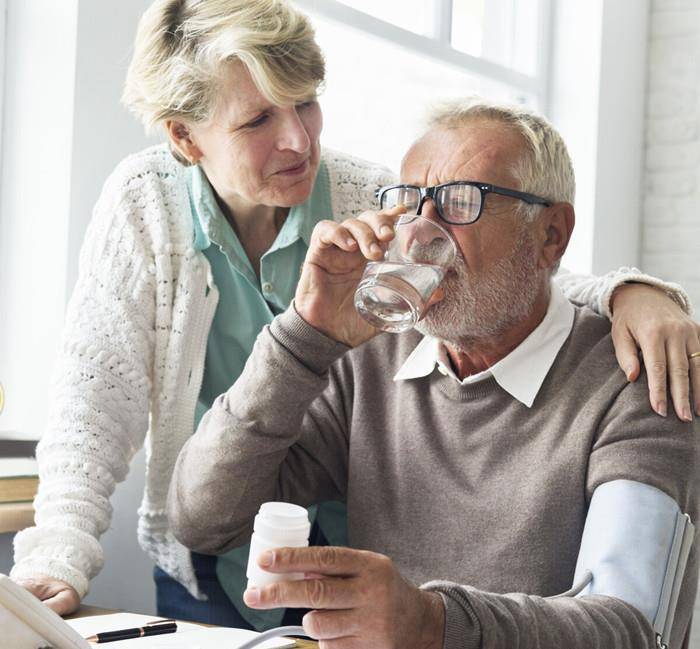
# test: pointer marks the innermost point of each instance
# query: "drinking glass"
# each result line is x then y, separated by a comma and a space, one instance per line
393, 293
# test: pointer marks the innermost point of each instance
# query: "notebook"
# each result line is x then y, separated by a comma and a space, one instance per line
26, 623
19, 479
187, 636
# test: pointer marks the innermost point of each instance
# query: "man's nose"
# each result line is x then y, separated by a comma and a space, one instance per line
423, 234
428, 210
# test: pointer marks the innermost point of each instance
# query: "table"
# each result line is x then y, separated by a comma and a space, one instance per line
84, 611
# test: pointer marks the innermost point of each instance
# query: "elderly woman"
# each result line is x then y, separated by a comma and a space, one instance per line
193, 248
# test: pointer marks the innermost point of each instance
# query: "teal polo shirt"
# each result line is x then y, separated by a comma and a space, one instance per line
245, 306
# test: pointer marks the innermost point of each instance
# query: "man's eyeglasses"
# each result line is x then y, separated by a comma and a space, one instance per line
459, 203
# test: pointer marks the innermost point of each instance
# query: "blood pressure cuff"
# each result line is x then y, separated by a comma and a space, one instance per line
636, 543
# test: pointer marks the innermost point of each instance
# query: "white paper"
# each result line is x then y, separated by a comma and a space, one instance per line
187, 636
17, 634
218, 638
93, 624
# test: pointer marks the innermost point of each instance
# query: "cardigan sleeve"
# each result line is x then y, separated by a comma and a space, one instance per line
100, 395
596, 292
353, 183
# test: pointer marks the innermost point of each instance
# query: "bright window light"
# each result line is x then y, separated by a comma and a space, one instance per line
468, 26
377, 94
415, 15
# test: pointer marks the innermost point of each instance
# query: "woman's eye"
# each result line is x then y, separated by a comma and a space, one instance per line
257, 121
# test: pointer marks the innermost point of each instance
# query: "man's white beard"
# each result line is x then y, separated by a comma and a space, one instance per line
481, 307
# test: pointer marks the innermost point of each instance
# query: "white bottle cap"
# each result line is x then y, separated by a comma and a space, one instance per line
283, 523
276, 525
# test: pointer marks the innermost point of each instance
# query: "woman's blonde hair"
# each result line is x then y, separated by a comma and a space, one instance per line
183, 48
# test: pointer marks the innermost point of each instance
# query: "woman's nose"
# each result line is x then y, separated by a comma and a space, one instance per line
294, 135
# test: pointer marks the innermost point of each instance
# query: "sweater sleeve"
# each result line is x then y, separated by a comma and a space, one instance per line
479, 620
596, 292
279, 433
99, 402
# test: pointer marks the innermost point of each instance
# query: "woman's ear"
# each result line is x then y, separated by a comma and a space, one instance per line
556, 223
182, 141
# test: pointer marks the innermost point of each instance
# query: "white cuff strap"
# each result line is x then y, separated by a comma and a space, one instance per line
636, 543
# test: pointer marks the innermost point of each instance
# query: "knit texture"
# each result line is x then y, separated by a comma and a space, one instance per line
133, 346
598, 294
458, 483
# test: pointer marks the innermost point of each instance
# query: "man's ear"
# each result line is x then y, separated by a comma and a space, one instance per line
182, 140
555, 225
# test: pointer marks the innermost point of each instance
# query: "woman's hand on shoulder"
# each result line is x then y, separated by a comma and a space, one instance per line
645, 318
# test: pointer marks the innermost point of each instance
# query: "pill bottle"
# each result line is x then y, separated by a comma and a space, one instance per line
277, 525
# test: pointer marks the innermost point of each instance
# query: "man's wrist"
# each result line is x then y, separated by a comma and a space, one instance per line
309, 345
304, 313
432, 631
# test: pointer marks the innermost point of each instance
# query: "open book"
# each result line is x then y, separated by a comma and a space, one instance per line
26, 623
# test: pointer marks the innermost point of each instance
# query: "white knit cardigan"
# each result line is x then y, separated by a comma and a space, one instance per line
132, 357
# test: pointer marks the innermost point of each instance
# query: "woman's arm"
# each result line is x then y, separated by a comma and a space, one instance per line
99, 407
650, 315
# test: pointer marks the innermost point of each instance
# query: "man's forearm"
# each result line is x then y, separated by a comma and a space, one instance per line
475, 619
232, 463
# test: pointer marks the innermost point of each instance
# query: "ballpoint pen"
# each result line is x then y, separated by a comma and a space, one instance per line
153, 628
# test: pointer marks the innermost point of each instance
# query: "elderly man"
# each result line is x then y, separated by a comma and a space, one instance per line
501, 456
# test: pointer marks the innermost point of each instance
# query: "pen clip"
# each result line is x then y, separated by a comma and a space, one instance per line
157, 622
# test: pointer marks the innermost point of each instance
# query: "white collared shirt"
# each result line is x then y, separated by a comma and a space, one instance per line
522, 371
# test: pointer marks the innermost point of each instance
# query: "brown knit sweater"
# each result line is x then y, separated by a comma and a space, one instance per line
460, 484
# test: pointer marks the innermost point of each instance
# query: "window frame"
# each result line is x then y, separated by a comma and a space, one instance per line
438, 45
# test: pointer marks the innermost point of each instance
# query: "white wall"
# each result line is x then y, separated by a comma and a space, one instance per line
671, 190
671, 225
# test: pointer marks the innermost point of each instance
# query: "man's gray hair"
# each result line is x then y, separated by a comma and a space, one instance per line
545, 169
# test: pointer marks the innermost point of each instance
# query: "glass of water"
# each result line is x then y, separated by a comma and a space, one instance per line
393, 293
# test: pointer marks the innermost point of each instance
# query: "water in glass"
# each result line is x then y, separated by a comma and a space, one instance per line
392, 296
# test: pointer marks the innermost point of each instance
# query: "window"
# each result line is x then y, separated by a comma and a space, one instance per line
3, 23
388, 61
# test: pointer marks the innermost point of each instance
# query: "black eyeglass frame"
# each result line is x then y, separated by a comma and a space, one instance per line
484, 188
